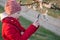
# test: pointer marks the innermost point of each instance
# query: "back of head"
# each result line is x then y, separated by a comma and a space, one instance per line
12, 7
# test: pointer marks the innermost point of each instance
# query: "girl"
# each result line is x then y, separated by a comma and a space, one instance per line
11, 28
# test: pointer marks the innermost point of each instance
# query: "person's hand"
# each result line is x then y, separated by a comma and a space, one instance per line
28, 39
22, 33
36, 22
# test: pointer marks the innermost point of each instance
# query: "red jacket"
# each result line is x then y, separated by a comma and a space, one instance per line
11, 30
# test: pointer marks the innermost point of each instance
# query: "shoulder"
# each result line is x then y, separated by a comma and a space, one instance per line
8, 26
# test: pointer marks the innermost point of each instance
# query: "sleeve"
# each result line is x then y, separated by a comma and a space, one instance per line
12, 33
29, 31
22, 29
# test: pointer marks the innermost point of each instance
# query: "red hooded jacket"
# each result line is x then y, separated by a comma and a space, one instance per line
11, 30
